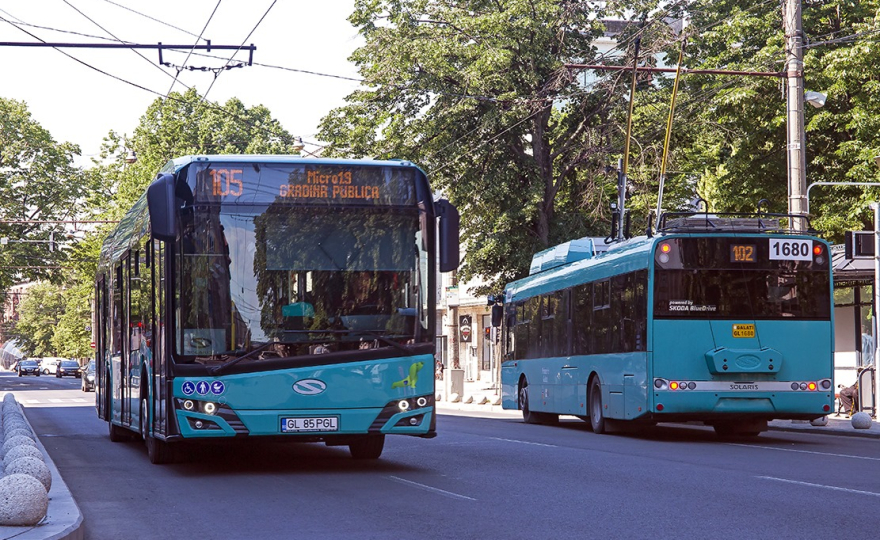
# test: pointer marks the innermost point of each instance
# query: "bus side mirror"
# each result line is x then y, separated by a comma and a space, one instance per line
161, 204
497, 315
449, 222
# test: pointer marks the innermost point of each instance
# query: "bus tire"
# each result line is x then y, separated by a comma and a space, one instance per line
367, 447
158, 451
597, 416
523, 402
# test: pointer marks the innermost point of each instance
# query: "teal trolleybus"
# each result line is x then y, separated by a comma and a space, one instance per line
715, 318
273, 296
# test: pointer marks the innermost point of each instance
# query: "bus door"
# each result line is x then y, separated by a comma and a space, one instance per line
156, 338
125, 349
117, 355
101, 346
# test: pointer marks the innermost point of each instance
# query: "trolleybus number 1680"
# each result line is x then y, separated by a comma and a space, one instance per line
786, 249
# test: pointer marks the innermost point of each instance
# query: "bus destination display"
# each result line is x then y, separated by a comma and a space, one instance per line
305, 184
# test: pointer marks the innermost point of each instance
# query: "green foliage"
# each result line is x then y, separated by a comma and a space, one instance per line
38, 182
730, 132
41, 307
477, 93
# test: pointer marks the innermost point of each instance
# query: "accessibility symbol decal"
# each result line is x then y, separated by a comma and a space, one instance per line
202, 388
188, 388
217, 387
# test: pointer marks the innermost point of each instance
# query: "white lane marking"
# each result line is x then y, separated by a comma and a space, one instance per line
32, 401
805, 452
835, 488
524, 442
433, 489
55, 400
80, 400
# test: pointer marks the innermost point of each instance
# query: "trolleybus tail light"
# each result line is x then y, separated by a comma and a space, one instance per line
825, 384
660, 384
812, 386
665, 249
659, 406
673, 385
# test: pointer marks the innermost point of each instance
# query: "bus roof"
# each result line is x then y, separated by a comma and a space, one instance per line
619, 258
178, 163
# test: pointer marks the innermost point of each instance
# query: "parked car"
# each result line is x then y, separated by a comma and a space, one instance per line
88, 377
28, 367
68, 368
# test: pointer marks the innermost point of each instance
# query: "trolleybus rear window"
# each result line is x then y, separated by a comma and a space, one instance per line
732, 278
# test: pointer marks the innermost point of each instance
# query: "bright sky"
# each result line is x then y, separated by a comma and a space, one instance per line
80, 105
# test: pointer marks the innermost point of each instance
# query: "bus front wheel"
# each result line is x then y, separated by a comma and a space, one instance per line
597, 416
367, 447
158, 451
530, 416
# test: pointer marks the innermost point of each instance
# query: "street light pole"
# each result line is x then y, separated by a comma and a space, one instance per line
797, 163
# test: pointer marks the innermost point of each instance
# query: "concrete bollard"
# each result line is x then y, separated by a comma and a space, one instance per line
454, 397
23, 500
16, 441
861, 420
19, 451
823, 421
18, 431
33, 467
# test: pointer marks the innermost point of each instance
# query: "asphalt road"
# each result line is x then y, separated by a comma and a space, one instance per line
481, 478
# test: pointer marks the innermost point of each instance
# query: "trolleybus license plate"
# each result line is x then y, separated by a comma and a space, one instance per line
315, 423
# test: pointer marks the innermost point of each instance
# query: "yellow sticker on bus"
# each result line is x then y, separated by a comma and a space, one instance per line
744, 330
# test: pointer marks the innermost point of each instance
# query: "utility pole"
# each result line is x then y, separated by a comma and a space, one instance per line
797, 162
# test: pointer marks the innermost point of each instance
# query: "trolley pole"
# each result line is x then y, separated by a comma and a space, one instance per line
797, 163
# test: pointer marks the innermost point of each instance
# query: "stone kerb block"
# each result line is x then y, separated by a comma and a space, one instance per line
23, 500
32, 466
22, 450
13, 420
861, 420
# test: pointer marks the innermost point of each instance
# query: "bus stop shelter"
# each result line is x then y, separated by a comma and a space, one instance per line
854, 326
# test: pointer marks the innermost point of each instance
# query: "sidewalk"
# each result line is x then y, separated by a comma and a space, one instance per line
481, 396
63, 519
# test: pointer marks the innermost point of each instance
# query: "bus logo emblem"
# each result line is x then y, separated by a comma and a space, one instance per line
309, 387
744, 330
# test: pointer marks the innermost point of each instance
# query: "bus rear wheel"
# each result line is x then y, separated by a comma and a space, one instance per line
597, 415
158, 451
367, 447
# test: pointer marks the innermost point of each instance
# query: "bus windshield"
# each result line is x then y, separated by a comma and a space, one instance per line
301, 280
736, 278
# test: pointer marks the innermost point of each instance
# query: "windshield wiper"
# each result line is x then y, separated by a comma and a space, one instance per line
217, 369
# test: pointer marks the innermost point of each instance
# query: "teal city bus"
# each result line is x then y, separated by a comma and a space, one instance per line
273, 296
720, 319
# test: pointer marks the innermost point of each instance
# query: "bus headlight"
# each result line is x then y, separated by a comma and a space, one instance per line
403, 405
209, 407
422, 401
189, 405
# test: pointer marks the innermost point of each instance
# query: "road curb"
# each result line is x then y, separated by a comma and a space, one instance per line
824, 431
63, 519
